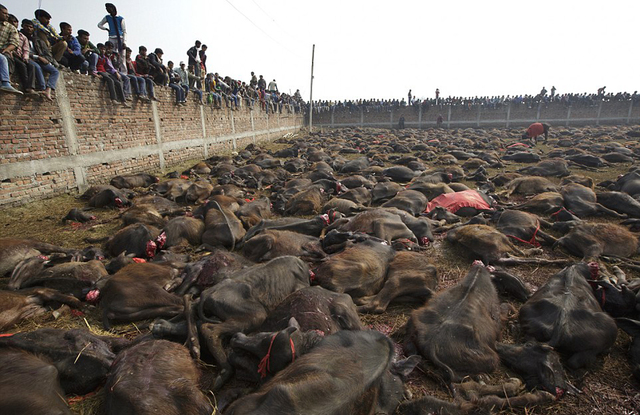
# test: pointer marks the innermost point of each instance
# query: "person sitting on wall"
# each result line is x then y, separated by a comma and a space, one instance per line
535, 130
45, 32
210, 88
143, 68
72, 57
24, 67
9, 43
40, 52
118, 63
156, 69
89, 52
111, 77
188, 82
138, 82
174, 83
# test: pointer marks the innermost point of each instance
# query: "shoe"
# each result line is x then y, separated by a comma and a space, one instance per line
30, 91
125, 104
77, 71
129, 98
10, 89
155, 99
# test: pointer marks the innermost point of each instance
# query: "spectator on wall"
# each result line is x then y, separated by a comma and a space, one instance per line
9, 42
145, 90
254, 80
188, 82
45, 32
24, 67
174, 83
273, 86
157, 70
194, 57
210, 86
203, 58
111, 77
40, 52
90, 53
118, 62
72, 57
409, 98
262, 83
116, 27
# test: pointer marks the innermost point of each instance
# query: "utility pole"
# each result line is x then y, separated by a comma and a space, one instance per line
313, 51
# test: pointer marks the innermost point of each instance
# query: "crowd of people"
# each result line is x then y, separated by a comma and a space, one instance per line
37, 51
494, 102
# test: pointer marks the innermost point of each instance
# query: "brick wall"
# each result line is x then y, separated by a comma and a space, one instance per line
82, 138
619, 112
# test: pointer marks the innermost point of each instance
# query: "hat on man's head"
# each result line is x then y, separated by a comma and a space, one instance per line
42, 13
158, 51
181, 63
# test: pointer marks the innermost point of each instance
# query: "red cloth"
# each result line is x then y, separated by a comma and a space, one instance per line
535, 130
454, 201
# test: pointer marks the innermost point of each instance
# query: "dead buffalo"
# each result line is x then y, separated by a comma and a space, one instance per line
410, 201
138, 239
109, 197
155, 376
312, 227
538, 364
359, 195
632, 328
458, 329
400, 174
68, 278
564, 314
547, 202
242, 302
315, 308
350, 372
384, 191
136, 292
13, 251
272, 243
222, 227
410, 277
253, 212
582, 201
620, 202
131, 181
380, 223
81, 357
590, 240
15, 306
77, 215
306, 202
523, 227
359, 270
29, 385
145, 214
546, 168
484, 242
183, 231
529, 185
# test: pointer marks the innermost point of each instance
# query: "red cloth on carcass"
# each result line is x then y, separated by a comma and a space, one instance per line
454, 201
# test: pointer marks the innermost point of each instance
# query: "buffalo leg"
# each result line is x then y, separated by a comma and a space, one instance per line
193, 341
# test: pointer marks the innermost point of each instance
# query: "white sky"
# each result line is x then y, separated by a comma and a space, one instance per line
381, 49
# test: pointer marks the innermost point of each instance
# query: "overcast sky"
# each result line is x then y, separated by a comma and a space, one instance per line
381, 49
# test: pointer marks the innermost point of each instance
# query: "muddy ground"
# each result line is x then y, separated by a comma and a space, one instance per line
608, 388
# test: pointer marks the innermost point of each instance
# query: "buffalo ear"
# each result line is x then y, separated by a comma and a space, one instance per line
404, 367
631, 327
294, 323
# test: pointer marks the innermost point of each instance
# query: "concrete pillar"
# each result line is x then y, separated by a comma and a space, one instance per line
420, 115
333, 110
156, 125
568, 115
538, 113
361, 117
449, 118
599, 110
478, 117
629, 113
233, 131
253, 127
70, 133
204, 133
391, 118
508, 113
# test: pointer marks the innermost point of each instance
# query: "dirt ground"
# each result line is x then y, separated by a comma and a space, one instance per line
609, 388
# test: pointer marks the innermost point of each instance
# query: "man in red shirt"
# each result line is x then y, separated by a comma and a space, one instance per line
536, 129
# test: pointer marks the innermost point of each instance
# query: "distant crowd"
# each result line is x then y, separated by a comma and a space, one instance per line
494, 102
38, 51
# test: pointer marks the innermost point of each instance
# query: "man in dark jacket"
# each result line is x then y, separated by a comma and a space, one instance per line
194, 57
157, 70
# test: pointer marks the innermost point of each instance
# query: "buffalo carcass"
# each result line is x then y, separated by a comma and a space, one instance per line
81, 358
523, 227
410, 201
620, 202
242, 302
14, 251
134, 180
29, 385
15, 306
529, 185
590, 240
546, 168
547, 202
458, 328
582, 201
273, 243
410, 277
359, 270
136, 292
222, 227
184, 231
155, 377
350, 372
141, 240
381, 223
564, 314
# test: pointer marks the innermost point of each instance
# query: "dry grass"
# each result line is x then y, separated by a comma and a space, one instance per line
607, 389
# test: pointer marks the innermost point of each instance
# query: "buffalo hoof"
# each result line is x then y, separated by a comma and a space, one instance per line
222, 379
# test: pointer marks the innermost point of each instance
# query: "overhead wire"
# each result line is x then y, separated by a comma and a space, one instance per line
260, 29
